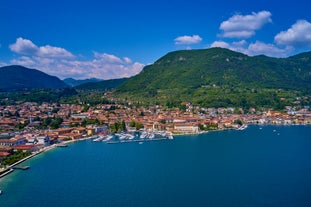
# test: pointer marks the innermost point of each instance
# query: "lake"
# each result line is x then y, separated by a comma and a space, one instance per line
259, 166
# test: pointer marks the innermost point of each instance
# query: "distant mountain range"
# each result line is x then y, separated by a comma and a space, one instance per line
16, 77
102, 85
73, 82
210, 77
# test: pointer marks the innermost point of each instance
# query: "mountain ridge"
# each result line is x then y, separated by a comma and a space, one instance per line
16, 77
74, 82
195, 75
102, 85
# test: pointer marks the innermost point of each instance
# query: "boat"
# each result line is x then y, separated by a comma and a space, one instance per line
107, 138
1, 192
244, 126
150, 135
143, 135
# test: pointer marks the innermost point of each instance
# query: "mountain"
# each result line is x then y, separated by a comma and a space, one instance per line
73, 82
16, 77
218, 77
102, 85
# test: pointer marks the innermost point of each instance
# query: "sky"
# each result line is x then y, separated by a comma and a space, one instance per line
113, 39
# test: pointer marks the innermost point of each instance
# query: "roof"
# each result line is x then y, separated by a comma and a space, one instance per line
4, 154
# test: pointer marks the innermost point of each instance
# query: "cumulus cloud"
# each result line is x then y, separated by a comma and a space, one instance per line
260, 48
63, 64
27, 47
239, 26
102, 66
298, 35
188, 40
24, 47
252, 49
221, 44
107, 58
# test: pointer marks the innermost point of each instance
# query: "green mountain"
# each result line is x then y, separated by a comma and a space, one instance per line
102, 85
219, 77
73, 82
18, 77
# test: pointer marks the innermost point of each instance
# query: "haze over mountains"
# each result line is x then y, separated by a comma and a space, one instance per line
73, 82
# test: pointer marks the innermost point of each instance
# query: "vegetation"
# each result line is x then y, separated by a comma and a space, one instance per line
18, 77
213, 77
38, 96
73, 83
118, 126
16, 156
219, 77
102, 85
137, 125
208, 127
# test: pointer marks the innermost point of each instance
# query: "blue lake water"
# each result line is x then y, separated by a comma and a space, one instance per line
254, 167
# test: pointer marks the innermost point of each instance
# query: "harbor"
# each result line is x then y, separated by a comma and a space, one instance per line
137, 136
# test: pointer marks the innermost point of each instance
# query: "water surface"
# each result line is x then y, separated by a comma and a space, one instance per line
255, 167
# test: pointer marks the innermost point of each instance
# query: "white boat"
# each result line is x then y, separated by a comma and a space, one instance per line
244, 126
107, 138
143, 135
130, 136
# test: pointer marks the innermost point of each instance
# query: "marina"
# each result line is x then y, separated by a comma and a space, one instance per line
138, 136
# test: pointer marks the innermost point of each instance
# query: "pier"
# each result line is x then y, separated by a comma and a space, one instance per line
136, 140
62, 145
21, 167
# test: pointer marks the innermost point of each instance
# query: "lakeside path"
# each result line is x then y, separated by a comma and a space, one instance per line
9, 169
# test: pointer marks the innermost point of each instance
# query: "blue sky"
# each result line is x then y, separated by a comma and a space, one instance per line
113, 39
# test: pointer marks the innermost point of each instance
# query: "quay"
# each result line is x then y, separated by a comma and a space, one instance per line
4, 173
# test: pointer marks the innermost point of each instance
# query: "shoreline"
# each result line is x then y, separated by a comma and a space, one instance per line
10, 169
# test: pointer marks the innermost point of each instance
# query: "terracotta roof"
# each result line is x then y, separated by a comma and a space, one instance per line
4, 154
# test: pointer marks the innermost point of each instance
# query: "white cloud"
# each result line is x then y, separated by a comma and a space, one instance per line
260, 48
24, 47
23, 60
62, 63
27, 47
221, 44
103, 66
108, 58
188, 40
252, 49
127, 60
298, 35
239, 26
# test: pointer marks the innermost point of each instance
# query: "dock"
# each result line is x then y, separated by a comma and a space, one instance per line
62, 145
21, 167
136, 140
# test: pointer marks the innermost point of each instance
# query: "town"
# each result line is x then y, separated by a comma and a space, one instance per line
30, 127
